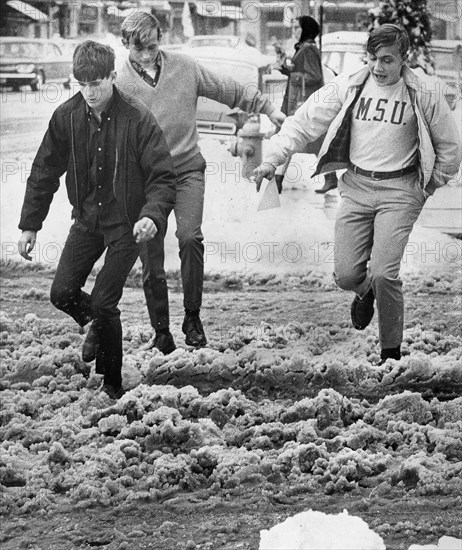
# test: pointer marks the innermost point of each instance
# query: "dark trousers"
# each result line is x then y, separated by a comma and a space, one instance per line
82, 249
188, 210
155, 288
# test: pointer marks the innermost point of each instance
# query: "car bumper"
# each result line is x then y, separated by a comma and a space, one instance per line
17, 78
216, 128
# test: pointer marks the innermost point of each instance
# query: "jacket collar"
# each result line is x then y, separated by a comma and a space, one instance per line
358, 78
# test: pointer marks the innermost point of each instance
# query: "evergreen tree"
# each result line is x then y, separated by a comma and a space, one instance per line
412, 15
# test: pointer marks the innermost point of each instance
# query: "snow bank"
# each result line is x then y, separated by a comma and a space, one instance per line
316, 530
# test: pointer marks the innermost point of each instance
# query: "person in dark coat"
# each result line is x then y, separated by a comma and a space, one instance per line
305, 76
122, 186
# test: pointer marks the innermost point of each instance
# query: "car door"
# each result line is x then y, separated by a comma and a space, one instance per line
57, 68
213, 117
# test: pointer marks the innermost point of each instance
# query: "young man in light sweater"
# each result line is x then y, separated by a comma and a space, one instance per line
170, 85
399, 141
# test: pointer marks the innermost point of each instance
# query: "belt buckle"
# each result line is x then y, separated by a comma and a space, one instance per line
374, 177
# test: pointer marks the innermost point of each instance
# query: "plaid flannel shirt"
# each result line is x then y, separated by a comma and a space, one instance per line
339, 150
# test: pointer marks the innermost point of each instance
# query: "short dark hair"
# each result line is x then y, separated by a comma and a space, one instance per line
137, 26
92, 61
388, 35
309, 26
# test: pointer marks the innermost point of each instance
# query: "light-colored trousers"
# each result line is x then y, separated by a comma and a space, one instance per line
373, 224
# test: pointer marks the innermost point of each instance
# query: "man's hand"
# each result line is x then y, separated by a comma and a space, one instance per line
277, 117
144, 230
265, 170
26, 244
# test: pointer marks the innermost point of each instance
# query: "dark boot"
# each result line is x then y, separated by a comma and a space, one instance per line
163, 341
362, 311
390, 353
330, 182
90, 345
192, 327
112, 392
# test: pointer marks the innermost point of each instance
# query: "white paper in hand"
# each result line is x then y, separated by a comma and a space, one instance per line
270, 197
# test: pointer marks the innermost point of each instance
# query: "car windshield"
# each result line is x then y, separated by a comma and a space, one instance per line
216, 42
344, 61
20, 49
245, 74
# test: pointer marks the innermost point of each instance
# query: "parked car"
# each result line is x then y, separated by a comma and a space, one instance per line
448, 67
32, 61
344, 51
246, 65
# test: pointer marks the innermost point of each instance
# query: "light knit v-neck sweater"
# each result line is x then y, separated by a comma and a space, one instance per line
173, 101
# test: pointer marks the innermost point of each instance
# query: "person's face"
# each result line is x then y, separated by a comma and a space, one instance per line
385, 65
297, 32
98, 92
146, 52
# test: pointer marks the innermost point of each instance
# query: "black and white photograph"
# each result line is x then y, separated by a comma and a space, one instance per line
231, 274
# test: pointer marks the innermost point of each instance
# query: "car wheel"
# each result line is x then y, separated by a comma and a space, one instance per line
39, 83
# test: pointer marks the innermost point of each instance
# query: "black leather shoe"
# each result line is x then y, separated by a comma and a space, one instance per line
362, 311
163, 342
112, 392
328, 186
390, 353
90, 345
192, 327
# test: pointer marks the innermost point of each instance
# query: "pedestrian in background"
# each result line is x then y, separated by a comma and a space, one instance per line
305, 76
170, 84
121, 184
399, 142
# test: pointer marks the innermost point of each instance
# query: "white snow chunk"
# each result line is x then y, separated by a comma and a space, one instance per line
314, 530
449, 543
445, 543
31, 318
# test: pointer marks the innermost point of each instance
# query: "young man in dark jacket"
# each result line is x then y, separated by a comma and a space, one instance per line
122, 186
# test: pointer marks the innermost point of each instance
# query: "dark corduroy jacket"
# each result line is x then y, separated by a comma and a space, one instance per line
143, 177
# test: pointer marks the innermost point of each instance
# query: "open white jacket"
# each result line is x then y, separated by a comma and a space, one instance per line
328, 111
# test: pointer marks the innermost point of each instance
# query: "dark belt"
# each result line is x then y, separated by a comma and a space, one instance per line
382, 175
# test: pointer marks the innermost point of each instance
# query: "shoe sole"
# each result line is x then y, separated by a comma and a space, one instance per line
165, 352
356, 325
195, 344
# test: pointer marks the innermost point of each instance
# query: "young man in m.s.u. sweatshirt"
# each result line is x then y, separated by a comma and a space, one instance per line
170, 85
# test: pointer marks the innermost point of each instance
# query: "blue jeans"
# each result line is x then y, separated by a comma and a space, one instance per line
188, 210
374, 221
81, 251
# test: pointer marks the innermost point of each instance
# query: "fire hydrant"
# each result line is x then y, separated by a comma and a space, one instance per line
248, 145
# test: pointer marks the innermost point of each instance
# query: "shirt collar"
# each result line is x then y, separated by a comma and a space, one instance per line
107, 110
140, 69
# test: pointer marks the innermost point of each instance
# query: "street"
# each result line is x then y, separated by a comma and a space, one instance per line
286, 409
